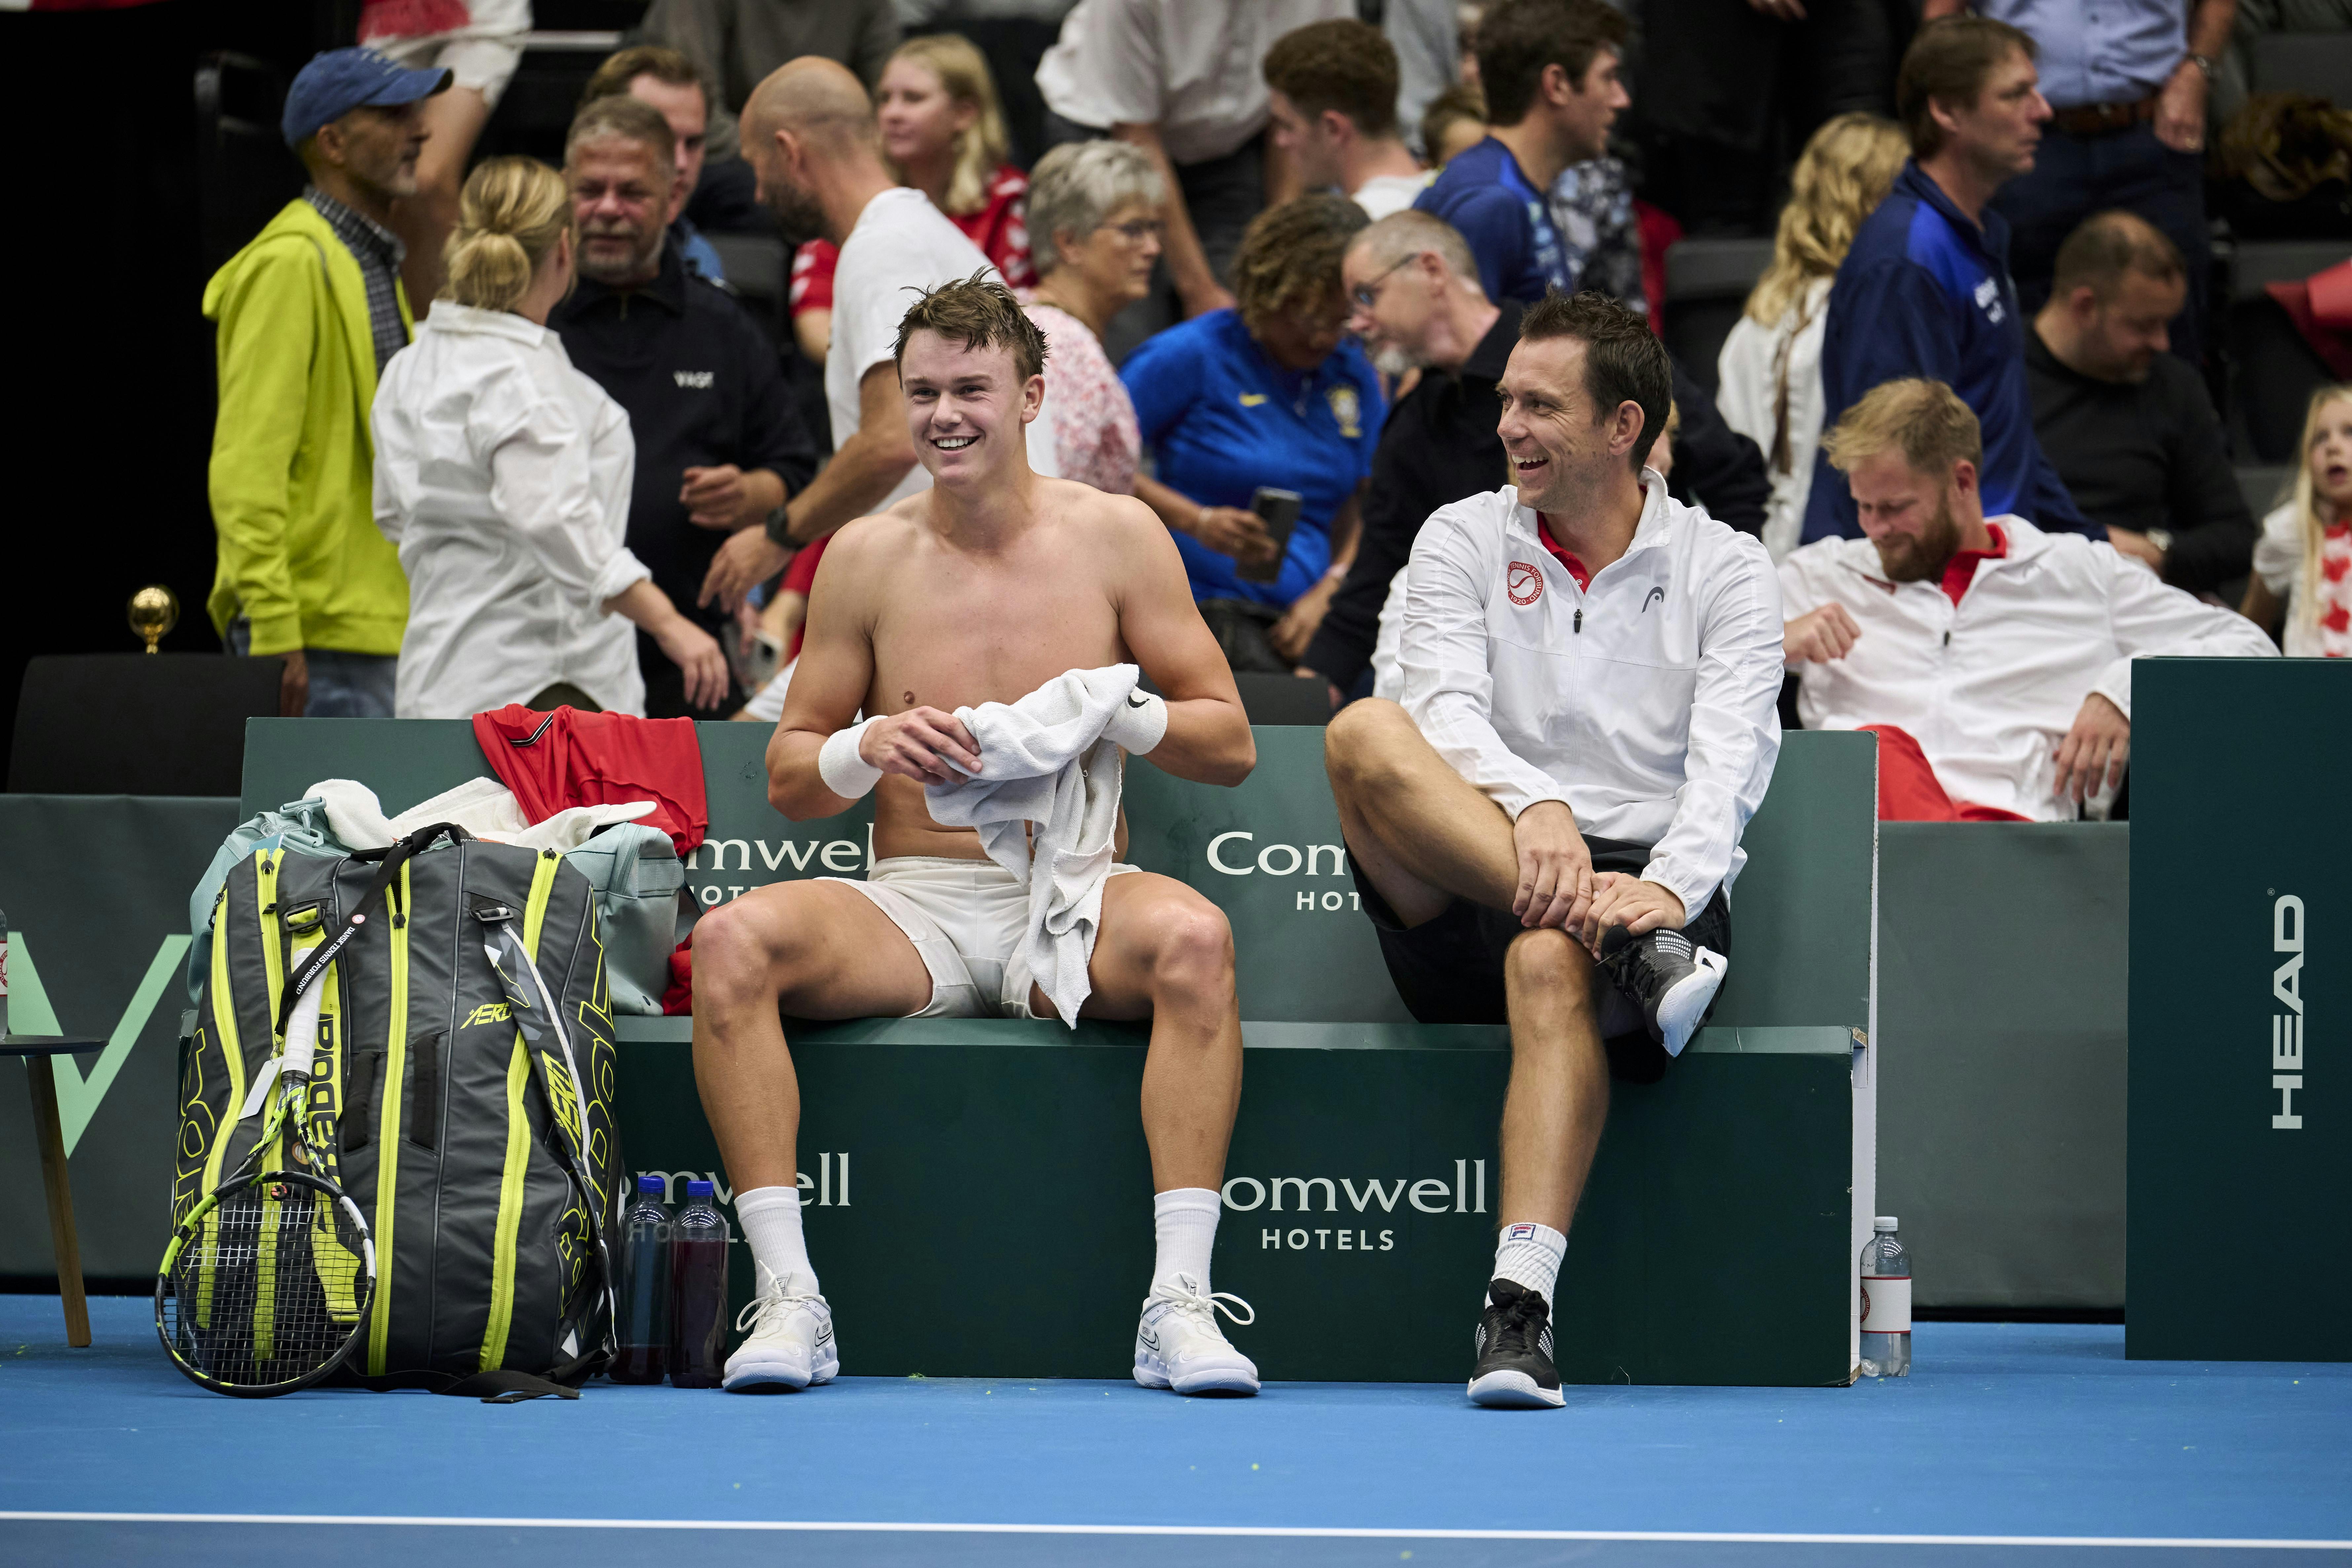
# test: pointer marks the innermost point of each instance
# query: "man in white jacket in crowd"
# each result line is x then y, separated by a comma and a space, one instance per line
991, 628
1994, 660
1543, 829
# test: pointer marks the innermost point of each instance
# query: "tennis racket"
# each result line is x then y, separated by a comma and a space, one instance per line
264, 1287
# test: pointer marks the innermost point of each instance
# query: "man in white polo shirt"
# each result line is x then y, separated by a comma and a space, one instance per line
1544, 829
810, 136
1992, 661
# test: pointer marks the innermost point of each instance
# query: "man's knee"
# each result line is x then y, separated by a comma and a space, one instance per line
739, 949
1192, 954
1360, 744
1550, 963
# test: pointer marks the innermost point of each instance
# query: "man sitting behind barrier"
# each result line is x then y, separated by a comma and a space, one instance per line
995, 587
1994, 660
1544, 831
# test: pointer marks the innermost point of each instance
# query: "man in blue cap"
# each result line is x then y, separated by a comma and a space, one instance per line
307, 316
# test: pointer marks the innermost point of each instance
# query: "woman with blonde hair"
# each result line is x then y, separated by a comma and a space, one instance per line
1770, 367
2303, 563
502, 476
943, 133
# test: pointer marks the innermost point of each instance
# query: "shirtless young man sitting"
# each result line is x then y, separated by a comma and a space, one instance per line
982, 589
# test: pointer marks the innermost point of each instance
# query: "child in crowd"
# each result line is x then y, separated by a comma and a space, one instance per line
1454, 122
2303, 559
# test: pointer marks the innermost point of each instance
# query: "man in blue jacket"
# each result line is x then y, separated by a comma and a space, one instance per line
1925, 290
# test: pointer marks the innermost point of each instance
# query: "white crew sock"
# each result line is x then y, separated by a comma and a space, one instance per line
1185, 1221
1528, 1256
771, 1217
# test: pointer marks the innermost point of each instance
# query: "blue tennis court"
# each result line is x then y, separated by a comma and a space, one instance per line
2017, 1443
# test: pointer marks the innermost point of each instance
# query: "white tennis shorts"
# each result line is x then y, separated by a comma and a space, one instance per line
968, 919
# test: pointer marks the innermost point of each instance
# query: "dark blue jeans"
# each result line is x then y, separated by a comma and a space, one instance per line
342, 685
2074, 177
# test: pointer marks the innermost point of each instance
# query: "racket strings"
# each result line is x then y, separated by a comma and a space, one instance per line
270, 1287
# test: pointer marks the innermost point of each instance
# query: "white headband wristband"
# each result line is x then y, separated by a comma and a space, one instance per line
1140, 724
845, 773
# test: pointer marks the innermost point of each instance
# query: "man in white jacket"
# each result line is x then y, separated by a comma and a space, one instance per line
991, 628
1994, 660
1544, 828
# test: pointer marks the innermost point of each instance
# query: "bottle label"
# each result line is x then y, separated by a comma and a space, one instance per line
1886, 1305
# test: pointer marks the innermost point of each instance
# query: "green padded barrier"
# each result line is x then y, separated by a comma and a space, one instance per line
95, 888
2001, 1059
1264, 852
1716, 1243
2240, 1127
1711, 1247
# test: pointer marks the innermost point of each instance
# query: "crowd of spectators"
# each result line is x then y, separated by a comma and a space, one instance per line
503, 447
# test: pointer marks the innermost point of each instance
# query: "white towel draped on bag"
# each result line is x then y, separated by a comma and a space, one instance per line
1044, 759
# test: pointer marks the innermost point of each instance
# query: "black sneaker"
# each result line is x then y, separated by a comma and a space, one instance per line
1514, 1370
1673, 982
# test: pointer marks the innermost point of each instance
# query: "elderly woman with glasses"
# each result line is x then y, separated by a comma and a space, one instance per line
1269, 395
1094, 233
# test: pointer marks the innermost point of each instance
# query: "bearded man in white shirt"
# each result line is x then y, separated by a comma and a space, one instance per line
1544, 829
1992, 661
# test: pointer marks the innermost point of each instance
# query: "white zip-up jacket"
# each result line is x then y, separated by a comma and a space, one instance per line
1649, 702
1989, 687
502, 476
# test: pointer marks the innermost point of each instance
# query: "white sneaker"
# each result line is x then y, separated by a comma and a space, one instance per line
1179, 1344
791, 1343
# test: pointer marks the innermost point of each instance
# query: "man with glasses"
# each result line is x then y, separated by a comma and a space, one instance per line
1417, 304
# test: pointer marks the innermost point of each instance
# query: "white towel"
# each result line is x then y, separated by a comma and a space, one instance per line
1044, 759
483, 807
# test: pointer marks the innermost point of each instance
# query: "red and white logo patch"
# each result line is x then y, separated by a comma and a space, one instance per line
1523, 583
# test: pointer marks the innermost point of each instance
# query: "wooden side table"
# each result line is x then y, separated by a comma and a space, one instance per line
36, 1050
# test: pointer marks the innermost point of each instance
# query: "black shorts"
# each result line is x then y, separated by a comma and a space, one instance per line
1449, 970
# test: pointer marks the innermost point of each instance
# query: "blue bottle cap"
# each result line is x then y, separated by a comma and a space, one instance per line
698, 1189
654, 1184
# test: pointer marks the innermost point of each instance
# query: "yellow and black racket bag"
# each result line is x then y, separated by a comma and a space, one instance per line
462, 1088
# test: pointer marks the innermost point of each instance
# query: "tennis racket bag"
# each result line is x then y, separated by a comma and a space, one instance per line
462, 1089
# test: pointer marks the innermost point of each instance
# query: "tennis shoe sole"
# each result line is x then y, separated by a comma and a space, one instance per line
782, 1373
1682, 1008
1511, 1390
1152, 1372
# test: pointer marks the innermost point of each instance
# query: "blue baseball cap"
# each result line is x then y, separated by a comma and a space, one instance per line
336, 82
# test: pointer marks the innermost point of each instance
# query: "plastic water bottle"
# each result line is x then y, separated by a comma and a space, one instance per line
1886, 1302
698, 1314
644, 1354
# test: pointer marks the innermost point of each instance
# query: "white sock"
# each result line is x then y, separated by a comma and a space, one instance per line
1185, 1221
1528, 1256
771, 1218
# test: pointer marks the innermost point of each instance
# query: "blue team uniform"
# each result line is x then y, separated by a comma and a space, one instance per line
1487, 197
1926, 292
1221, 419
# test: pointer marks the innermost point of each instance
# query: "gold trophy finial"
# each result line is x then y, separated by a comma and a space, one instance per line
153, 612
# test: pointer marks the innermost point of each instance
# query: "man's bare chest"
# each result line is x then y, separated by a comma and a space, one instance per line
993, 637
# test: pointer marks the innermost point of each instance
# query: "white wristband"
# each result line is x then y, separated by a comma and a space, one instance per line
1140, 722
845, 773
